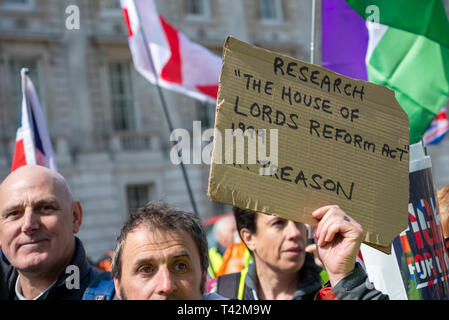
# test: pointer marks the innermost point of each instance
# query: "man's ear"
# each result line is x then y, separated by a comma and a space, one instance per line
117, 288
248, 239
77, 212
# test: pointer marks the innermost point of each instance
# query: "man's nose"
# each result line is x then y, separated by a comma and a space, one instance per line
165, 282
30, 221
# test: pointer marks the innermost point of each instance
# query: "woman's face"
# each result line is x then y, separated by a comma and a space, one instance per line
279, 243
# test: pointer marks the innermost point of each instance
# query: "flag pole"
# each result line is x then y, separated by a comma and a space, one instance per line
312, 60
23, 77
312, 33
167, 115
23, 74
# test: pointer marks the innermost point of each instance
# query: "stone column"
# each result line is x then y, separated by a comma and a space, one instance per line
76, 42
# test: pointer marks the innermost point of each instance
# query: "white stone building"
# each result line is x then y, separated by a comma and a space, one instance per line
106, 122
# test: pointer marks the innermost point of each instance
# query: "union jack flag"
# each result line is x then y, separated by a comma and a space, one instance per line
437, 129
33, 145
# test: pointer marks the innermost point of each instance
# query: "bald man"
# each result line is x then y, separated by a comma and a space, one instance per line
38, 223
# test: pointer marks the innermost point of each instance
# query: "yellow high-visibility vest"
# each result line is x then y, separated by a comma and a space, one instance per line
215, 262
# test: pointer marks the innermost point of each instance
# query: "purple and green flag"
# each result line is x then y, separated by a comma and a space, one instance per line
401, 44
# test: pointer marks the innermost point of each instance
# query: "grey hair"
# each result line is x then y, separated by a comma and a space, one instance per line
220, 224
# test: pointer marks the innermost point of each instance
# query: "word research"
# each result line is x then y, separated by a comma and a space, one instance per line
251, 142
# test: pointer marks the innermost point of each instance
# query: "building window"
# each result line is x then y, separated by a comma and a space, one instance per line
110, 8
196, 9
15, 65
17, 4
270, 10
206, 113
110, 4
122, 102
138, 196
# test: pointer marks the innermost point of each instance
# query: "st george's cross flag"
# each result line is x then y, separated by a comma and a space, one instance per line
165, 56
33, 145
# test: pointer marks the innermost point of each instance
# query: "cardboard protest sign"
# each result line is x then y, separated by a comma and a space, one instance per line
309, 137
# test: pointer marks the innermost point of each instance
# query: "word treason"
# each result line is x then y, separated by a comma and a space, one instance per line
306, 74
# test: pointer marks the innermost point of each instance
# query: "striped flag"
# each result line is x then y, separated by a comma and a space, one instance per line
33, 145
401, 44
437, 129
165, 56
407, 50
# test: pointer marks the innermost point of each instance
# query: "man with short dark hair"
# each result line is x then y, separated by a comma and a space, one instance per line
161, 253
38, 223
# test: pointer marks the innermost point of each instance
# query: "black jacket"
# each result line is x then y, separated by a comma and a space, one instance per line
355, 286
309, 283
60, 291
3, 282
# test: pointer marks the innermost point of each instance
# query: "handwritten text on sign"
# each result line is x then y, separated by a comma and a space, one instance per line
341, 141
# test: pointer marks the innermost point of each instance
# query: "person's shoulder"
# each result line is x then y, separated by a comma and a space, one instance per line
100, 288
213, 296
8, 276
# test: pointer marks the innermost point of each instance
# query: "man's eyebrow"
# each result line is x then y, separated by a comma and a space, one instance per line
176, 255
52, 200
142, 261
10, 208
180, 254
13, 207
